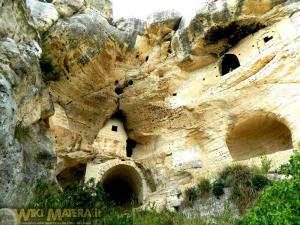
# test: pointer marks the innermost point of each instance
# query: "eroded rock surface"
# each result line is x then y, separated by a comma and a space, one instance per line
26, 152
169, 102
44, 14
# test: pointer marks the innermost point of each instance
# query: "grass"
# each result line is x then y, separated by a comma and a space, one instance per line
201, 190
244, 183
204, 187
266, 164
190, 195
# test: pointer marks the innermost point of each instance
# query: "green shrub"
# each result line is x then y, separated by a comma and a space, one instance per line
293, 166
259, 181
236, 193
86, 195
226, 182
244, 183
280, 202
204, 187
243, 197
89, 195
218, 189
236, 174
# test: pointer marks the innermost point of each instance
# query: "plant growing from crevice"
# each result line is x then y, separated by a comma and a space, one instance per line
218, 189
190, 195
203, 187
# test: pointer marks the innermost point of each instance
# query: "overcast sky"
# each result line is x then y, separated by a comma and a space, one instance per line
142, 8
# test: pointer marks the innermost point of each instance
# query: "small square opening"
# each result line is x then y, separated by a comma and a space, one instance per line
114, 128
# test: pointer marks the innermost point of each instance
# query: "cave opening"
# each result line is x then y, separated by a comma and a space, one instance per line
268, 38
122, 184
119, 90
229, 63
72, 176
233, 33
257, 136
130, 145
50, 72
118, 115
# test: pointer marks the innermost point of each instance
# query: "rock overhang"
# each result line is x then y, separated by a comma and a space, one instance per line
171, 90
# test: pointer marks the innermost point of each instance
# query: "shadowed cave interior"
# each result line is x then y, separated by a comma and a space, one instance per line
72, 176
229, 63
123, 185
257, 136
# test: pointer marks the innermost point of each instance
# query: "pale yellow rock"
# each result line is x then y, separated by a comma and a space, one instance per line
190, 112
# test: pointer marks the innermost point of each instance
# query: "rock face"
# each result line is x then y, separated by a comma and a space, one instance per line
26, 152
150, 106
44, 14
103, 6
68, 8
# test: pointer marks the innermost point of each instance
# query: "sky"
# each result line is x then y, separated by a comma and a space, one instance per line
142, 8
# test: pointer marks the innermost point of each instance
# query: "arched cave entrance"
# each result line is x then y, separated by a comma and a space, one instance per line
123, 184
259, 135
71, 176
229, 63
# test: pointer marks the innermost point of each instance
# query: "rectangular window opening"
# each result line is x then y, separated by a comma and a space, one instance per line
114, 128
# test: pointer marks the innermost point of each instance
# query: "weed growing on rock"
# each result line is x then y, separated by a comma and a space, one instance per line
204, 187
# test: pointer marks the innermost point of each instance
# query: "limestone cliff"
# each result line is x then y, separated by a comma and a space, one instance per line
153, 104
26, 152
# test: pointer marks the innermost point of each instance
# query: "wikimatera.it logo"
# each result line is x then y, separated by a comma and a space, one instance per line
47, 216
